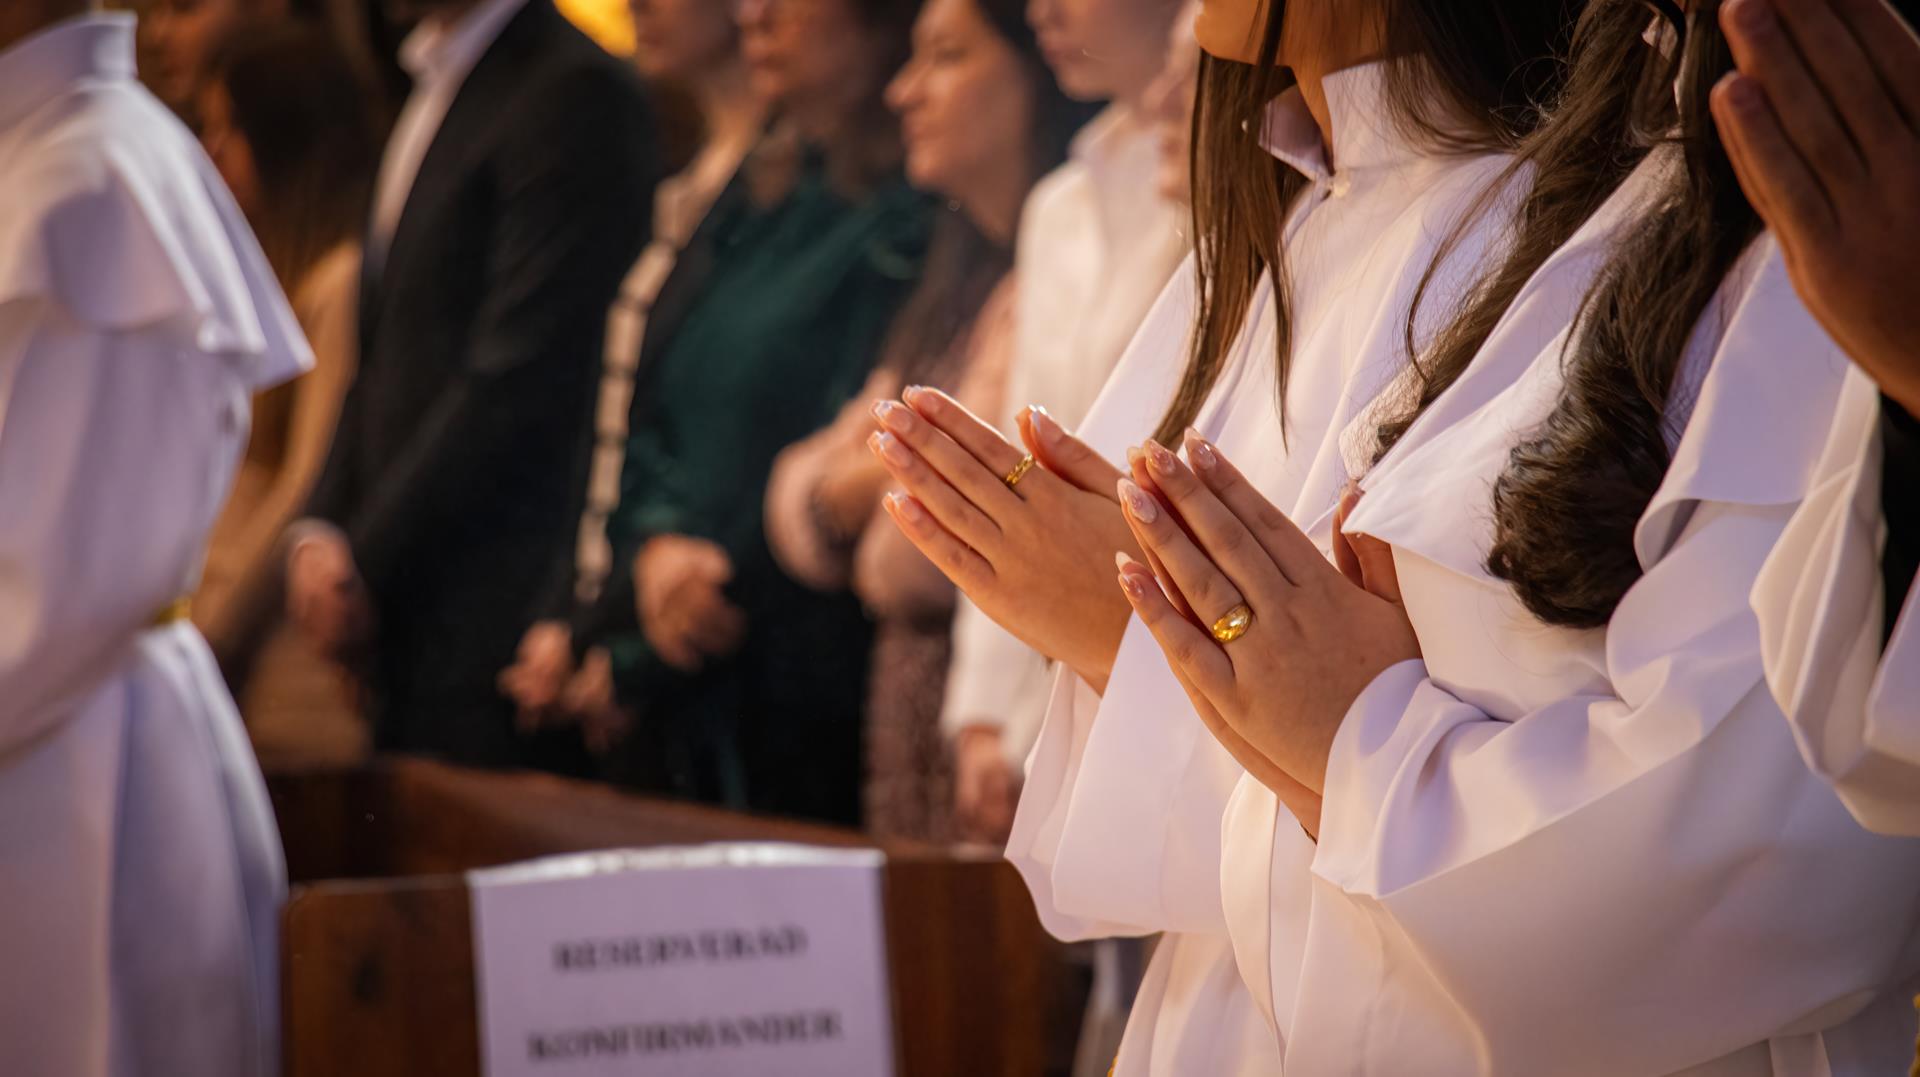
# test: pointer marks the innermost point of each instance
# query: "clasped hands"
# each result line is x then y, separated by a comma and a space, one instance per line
1192, 543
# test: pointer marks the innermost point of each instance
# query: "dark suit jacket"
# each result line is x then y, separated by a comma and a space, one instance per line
459, 467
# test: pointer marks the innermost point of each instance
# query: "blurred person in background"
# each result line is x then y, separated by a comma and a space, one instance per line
746, 686
141, 874
287, 120
1096, 245
982, 120
179, 39
511, 200
689, 48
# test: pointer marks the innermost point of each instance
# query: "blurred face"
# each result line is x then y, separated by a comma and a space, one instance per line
228, 147
813, 58
677, 39
180, 36
964, 103
1169, 105
1101, 48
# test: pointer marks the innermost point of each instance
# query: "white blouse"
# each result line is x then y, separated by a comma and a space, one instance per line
1118, 829
1545, 850
1855, 710
140, 871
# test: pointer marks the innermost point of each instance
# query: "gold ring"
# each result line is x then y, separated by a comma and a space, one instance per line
1012, 478
1233, 625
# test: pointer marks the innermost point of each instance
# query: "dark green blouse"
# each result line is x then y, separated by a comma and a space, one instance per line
788, 319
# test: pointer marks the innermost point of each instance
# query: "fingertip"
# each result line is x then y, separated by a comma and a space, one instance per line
1044, 427
906, 508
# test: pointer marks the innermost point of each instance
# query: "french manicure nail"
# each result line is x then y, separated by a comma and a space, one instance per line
920, 397
1138, 503
890, 448
893, 416
906, 507
1043, 424
1200, 451
1160, 459
1121, 560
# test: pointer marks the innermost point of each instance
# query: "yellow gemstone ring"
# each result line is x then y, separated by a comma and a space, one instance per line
1012, 478
1234, 625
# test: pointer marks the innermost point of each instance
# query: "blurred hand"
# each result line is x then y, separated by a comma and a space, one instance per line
1822, 121
986, 789
326, 600
680, 584
1032, 558
590, 696
539, 675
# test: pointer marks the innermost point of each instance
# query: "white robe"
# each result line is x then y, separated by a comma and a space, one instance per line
140, 872
1855, 710
1597, 852
1118, 828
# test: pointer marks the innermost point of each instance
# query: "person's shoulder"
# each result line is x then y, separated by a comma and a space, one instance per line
573, 70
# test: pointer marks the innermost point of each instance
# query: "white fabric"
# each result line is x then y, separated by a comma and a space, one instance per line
140, 873
1119, 828
1545, 850
1855, 711
439, 55
1096, 246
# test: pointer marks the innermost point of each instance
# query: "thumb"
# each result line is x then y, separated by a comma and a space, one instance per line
1377, 573
1065, 455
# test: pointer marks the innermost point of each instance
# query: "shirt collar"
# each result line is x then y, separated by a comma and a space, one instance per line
45, 65
441, 49
1364, 132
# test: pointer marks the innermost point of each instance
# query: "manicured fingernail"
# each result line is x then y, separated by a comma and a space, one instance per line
1121, 560
1138, 503
894, 416
1043, 425
1200, 451
906, 507
890, 449
924, 400
1743, 92
1160, 459
1134, 586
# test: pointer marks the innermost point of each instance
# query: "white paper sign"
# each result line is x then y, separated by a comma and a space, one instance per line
713, 960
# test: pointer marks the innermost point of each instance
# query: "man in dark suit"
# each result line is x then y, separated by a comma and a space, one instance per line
514, 194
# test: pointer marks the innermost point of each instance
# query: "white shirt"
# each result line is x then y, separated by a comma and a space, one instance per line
140, 870
439, 56
1547, 850
1096, 246
1855, 710
1118, 829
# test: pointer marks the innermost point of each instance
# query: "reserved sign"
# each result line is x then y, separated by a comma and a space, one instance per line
711, 960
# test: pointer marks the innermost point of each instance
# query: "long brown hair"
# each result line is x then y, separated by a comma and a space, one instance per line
1574, 490
1462, 78
304, 112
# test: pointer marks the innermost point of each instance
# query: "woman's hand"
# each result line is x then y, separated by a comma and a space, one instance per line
1034, 557
1822, 122
986, 787
589, 696
538, 677
680, 586
1316, 640
326, 598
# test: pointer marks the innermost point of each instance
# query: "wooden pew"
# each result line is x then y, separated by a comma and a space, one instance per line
378, 970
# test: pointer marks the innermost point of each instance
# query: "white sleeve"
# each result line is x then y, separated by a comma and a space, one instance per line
98, 529
1118, 829
1820, 605
1639, 881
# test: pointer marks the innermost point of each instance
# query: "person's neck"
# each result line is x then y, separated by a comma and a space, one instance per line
729, 109
994, 208
21, 19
